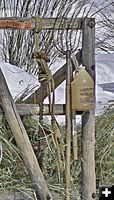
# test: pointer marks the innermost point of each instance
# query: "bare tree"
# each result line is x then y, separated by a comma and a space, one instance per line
105, 27
17, 46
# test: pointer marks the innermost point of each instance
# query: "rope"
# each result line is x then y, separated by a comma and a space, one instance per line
45, 76
44, 71
37, 30
38, 23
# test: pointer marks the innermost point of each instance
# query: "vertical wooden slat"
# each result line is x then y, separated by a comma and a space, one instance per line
1, 148
88, 119
74, 136
68, 123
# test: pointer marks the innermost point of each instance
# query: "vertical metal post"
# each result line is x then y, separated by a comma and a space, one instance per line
88, 119
68, 123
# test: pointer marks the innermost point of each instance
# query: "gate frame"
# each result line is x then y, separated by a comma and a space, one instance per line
87, 58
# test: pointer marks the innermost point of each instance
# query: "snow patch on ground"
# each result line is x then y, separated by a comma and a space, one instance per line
18, 80
104, 74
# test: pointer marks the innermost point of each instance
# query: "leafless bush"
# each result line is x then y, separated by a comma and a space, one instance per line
17, 46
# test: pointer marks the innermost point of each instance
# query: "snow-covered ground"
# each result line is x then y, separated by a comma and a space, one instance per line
20, 81
105, 79
104, 82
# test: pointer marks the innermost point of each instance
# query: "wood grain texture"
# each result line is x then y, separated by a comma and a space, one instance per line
88, 119
24, 23
22, 141
34, 109
68, 124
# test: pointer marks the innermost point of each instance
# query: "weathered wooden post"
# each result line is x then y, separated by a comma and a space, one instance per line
88, 119
23, 142
1, 116
68, 124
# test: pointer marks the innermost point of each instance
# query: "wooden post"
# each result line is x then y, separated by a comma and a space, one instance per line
74, 137
68, 123
1, 115
22, 140
1, 155
88, 119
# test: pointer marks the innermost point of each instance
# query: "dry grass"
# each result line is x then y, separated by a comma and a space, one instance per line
13, 174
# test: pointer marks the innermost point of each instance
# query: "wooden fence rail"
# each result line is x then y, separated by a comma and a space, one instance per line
23, 23
34, 109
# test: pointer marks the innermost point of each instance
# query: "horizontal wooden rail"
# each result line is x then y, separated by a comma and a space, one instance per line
34, 109
24, 23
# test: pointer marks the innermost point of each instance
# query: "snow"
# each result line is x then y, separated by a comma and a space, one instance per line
20, 81
104, 75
